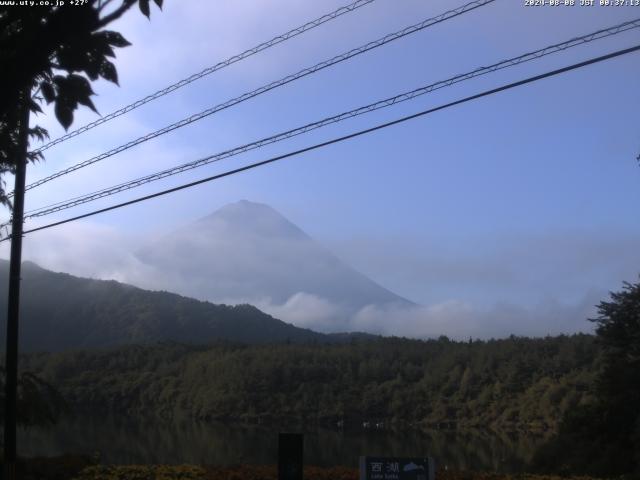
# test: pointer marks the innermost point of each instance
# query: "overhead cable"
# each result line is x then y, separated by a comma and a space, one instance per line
209, 70
341, 139
387, 102
265, 88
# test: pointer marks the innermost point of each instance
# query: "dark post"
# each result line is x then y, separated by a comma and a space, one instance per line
11, 364
290, 456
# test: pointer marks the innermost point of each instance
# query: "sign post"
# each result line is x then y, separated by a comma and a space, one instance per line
395, 468
290, 456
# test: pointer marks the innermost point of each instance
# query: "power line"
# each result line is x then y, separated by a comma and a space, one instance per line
343, 138
73, 202
209, 70
265, 88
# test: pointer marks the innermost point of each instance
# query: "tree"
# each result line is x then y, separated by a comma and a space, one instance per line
603, 438
51, 54
47, 54
39, 403
618, 384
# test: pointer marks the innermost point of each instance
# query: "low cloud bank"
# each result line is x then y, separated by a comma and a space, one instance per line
96, 251
456, 319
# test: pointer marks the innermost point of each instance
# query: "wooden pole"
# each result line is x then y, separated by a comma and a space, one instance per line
13, 312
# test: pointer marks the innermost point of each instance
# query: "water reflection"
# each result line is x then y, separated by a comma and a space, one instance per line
132, 440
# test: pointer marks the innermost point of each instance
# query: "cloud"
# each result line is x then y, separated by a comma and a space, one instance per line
552, 286
308, 311
86, 250
456, 319
522, 268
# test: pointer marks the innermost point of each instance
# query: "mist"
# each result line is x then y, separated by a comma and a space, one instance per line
248, 253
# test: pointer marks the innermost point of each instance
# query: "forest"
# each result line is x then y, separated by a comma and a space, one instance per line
582, 390
515, 383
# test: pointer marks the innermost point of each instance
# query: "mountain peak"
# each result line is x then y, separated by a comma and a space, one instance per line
245, 206
248, 217
247, 252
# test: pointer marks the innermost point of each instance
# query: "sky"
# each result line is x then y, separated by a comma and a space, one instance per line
515, 213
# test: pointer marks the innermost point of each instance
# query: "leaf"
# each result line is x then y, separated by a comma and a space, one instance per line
72, 57
88, 52
59, 80
108, 72
70, 88
86, 101
158, 3
74, 89
79, 84
34, 107
144, 7
34, 156
115, 39
93, 70
39, 133
64, 113
48, 92
108, 52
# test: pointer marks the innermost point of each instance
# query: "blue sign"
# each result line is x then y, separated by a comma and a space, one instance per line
394, 468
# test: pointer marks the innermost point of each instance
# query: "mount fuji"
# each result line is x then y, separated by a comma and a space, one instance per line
247, 252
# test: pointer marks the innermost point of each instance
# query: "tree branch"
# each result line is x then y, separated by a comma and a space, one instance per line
103, 5
117, 13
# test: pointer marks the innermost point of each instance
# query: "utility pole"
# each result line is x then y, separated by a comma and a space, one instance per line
13, 313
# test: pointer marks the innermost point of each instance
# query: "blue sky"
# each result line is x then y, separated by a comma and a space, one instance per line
526, 198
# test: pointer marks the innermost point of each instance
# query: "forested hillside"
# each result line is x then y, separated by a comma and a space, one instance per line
60, 311
503, 384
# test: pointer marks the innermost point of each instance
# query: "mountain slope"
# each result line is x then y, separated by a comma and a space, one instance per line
60, 311
248, 252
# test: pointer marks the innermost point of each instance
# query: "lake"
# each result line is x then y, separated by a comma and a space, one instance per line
135, 441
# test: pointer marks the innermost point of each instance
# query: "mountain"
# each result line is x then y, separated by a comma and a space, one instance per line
60, 311
248, 253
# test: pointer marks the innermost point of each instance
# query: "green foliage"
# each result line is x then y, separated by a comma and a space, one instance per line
603, 437
78, 468
142, 472
509, 384
50, 51
618, 332
38, 402
269, 472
